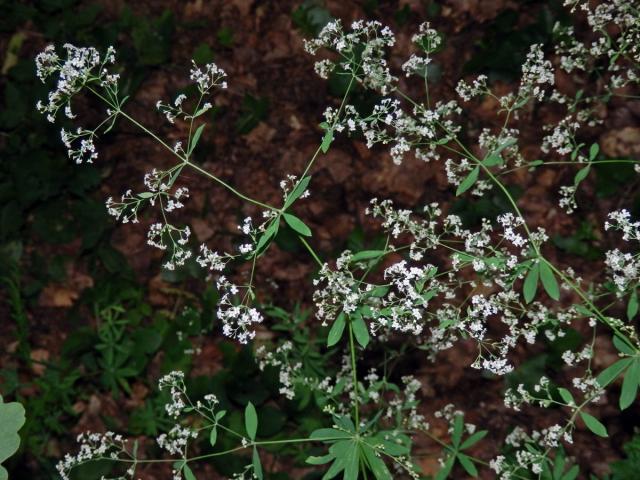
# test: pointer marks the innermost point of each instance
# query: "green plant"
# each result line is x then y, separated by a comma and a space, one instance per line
499, 271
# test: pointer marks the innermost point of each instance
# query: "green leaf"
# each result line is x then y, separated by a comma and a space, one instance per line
594, 424
326, 141
446, 469
313, 460
196, 138
467, 464
297, 224
268, 234
375, 463
468, 182
549, 281
367, 255
473, 439
188, 474
297, 191
257, 466
581, 175
610, 373
12, 418
566, 396
360, 331
572, 473
328, 433
213, 436
492, 161
630, 385
251, 420
335, 334
632, 306
623, 345
593, 151
351, 462
530, 285
458, 426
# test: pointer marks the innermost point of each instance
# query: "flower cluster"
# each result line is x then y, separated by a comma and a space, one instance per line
236, 316
82, 67
361, 52
93, 446
206, 78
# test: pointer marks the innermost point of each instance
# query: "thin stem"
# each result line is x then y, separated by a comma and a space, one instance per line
311, 251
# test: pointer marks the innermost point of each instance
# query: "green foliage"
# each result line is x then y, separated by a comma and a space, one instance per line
454, 450
12, 418
311, 16
501, 50
627, 469
254, 110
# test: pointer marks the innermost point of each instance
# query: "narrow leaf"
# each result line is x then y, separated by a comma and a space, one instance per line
188, 474
326, 141
468, 182
566, 396
594, 424
360, 331
492, 161
530, 285
623, 345
376, 464
367, 255
549, 281
593, 151
335, 334
213, 436
251, 420
467, 464
297, 192
458, 425
196, 138
581, 175
632, 306
473, 439
446, 469
630, 385
297, 224
313, 460
257, 465
610, 373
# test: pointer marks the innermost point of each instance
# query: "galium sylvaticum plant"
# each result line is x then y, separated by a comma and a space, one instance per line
493, 285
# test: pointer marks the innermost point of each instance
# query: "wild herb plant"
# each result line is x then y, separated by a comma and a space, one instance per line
497, 285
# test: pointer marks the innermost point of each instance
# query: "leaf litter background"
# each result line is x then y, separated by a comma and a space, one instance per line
63, 258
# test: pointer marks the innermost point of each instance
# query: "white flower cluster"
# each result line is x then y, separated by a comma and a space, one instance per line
80, 68
478, 87
402, 309
237, 318
85, 150
93, 446
536, 73
429, 41
174, 381
337, 290
621, 220
361, 52
207, 77
177, 439
289, 371
163, 235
